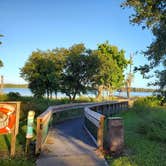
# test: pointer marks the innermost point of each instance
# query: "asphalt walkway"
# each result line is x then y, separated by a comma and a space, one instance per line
68, 144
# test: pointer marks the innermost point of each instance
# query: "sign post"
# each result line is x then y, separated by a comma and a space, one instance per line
29, 134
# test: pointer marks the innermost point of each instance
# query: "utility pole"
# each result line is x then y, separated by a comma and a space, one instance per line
129, 76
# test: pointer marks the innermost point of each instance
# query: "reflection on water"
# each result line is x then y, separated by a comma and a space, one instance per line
27, 92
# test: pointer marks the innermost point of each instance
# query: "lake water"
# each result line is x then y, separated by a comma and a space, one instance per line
27, 92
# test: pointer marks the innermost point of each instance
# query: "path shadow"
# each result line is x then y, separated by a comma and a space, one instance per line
74, 129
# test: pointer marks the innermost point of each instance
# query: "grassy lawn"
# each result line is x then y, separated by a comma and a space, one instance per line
145, 138
18, 161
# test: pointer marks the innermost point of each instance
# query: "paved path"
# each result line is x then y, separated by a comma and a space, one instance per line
68, 144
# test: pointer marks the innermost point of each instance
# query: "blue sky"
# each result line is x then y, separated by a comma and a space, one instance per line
47, 24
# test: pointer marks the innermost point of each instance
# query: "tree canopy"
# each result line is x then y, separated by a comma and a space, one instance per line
74, 70
111, 67
151, 14
42, 72
79, 69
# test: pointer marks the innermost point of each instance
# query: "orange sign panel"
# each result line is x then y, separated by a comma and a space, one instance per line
7, 118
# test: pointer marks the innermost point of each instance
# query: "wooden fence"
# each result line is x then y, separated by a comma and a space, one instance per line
98, 113
95, 112
110, 108
43, 123
98, 120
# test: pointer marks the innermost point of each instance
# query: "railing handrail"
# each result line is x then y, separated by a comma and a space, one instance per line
98, 119
44, 118
94, 117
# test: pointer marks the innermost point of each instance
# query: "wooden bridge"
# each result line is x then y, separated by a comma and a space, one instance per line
72, 142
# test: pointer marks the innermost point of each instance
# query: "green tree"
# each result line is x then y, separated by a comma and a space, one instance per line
79, 68
151, 14
41, 71
110, 69
59, 60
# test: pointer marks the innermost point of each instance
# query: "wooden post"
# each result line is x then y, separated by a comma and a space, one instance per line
120, 105
29, 132
42, 124
15, 131
107, 110
115, 137
38, 136
13, 144
17, 117
112, 109
100, 133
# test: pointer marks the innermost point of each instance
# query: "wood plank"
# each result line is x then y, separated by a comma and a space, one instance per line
17, 117
13, 144
38, 137
92, 119
94, 114
100, 133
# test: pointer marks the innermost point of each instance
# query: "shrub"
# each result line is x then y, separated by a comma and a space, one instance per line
13, 96
3, 97
146, 103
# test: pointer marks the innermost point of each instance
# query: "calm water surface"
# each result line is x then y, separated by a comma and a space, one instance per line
27, 92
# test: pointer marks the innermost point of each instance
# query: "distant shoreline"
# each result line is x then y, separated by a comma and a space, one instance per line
133, 89
15, 85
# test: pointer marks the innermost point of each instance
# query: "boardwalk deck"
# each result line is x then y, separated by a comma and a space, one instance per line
68, 144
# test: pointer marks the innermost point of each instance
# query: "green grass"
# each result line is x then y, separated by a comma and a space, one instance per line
18, 161
145, 137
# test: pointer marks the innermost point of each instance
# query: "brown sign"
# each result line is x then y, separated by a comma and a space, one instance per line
9, 121
7, 118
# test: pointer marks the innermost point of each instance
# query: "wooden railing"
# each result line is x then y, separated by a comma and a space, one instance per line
95, 111
43, 122
98, 113
110, 108
98, 120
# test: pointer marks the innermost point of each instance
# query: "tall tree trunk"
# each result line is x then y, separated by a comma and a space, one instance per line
47, 94
110, 90
56, 95
128, 89
50, 95
70, 98
74, 96
99, 92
